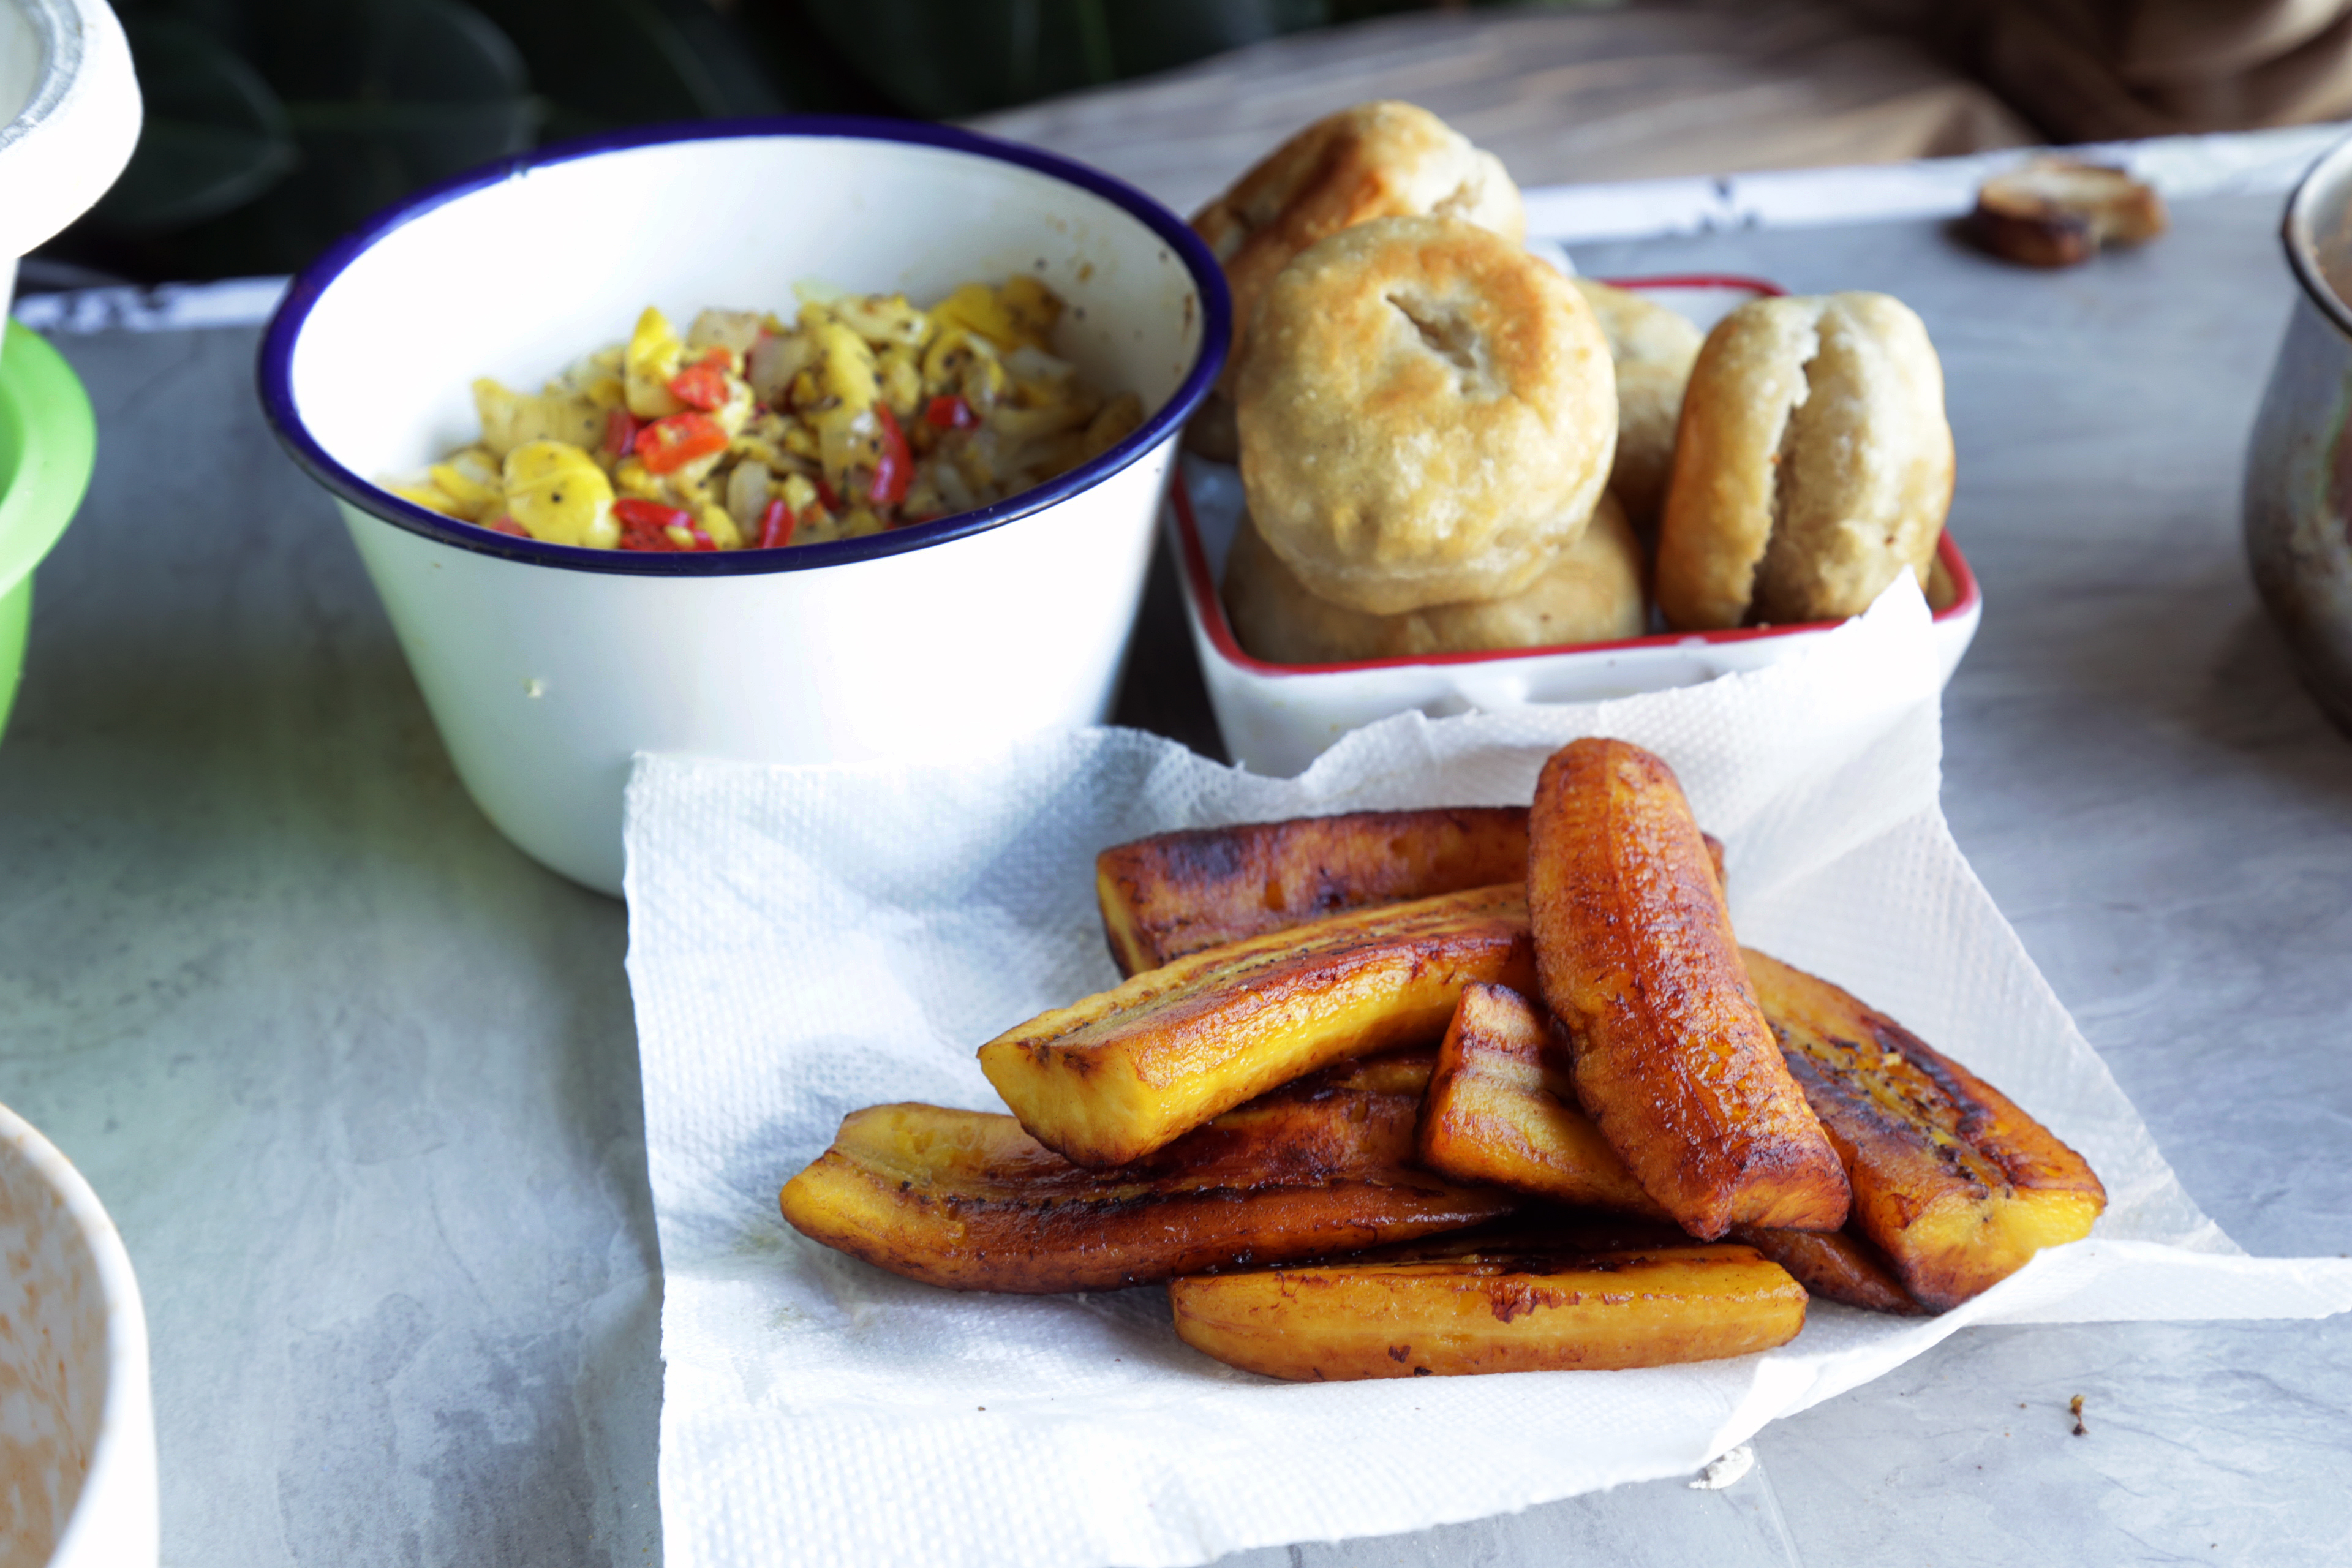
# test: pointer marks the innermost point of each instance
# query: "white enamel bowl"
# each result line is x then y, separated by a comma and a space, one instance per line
1277, 719
547, 667
77, 1429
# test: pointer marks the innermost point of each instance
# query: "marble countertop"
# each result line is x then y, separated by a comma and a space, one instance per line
359, 1081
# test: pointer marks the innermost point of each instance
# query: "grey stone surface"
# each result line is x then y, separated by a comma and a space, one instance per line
357, 1081
360, 1083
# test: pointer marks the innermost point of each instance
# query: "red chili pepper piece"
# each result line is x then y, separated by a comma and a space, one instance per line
702, 385
620, 428
645, 524
502, 523
949, 412
894, 469
776, 525
638, 511
826, 496
672, 442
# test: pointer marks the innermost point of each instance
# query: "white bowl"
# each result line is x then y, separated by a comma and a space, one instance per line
68, 118
547, 667
1277, 719
77, 1429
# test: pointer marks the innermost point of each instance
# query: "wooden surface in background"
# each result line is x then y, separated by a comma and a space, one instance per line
1560, 96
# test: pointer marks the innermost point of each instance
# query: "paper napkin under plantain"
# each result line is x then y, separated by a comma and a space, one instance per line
804, 942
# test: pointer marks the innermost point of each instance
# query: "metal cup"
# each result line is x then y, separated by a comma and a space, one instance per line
2298, 509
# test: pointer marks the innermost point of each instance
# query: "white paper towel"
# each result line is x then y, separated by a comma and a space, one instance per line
804, 942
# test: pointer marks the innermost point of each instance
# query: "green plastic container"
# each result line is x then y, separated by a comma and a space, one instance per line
48, 445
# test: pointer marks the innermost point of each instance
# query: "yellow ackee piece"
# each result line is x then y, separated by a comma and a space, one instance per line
430, 497
719, 523
1035, 309
652, 356
462, 487
976, 307
633, 478
509, 418
902, 381
846, 383
1119, 418
734, 414
882, 318
556, 493
964, 364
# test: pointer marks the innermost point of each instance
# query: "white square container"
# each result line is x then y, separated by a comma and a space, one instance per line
1277, 719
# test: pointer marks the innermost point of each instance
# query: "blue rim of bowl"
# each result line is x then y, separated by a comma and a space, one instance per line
275, 367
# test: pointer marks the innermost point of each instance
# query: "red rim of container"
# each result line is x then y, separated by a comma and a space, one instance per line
1212, 607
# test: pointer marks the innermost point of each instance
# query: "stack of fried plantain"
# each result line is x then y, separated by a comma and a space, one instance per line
1634, 1143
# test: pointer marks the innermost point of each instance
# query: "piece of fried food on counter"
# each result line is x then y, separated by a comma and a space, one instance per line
2060, 212
1576, 1297
1177, 893
1591, 592
1672, 1055
1427, 415
1112, 1077
965, 1200
1813, 462
1837, 1266
1501, 1109
1954, 1183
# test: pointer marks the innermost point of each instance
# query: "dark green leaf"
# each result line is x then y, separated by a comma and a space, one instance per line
215, 138
947, 58
600, 63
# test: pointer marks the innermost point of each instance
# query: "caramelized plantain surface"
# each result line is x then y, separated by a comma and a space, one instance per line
1501, 1109
1525, 1302
966, 1200
1111, 1078
1955, 1185
1672, 1055
1178, 893
1837, 1266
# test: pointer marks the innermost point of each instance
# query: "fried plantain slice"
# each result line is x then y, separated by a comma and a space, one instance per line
1525, 1302
1672, 1056
1179, 894
1955, 1184
1501, 1109
1109, 1080
966, 1200
1837, 1266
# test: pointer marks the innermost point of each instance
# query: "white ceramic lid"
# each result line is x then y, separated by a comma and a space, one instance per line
65, 82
